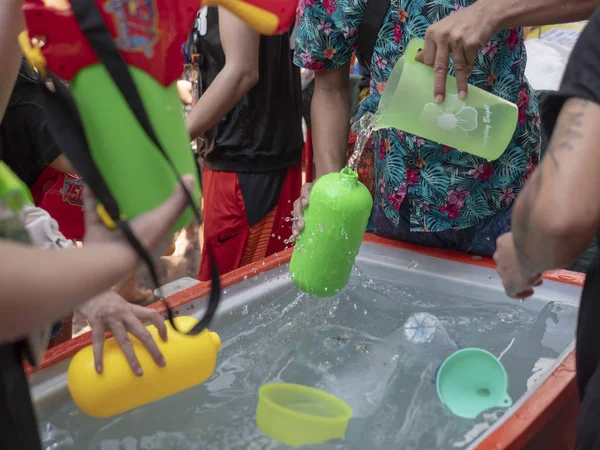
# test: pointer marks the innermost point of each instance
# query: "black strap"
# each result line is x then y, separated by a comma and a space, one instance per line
370, 27
68, 131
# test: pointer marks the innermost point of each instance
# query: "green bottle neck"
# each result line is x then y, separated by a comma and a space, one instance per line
349, 174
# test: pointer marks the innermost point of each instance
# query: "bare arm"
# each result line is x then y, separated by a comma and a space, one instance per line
330, 111
11, 24
240, 74
520, 13
32, 293
34, 289
557, 214
465, 33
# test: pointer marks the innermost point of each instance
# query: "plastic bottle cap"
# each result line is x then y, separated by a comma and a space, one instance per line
216, 339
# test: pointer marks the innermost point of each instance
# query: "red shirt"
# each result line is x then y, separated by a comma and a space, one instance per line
60, 196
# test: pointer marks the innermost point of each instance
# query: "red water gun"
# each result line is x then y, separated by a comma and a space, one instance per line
149, 33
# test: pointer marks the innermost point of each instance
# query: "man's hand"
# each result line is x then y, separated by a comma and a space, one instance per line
462, 35
110, 312
517, 282
298, 213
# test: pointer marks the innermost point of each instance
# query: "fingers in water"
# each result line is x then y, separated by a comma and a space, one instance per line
525, 294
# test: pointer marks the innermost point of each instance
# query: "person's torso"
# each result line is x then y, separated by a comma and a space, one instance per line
447, 189
263, 132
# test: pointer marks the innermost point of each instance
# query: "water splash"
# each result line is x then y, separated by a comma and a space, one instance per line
363, 129
382, 363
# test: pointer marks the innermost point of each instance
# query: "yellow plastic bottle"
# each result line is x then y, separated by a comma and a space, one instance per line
190, 361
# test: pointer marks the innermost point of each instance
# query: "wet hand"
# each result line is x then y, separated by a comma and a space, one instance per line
462, 34
517, 283
298, 213
150, 228
110, 312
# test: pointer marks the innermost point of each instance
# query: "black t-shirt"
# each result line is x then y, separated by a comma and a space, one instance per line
263, 132
26, 145
582, 80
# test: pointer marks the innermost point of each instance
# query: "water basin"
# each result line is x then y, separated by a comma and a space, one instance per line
361, 345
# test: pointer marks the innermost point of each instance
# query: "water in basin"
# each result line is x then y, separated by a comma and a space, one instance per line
365, 345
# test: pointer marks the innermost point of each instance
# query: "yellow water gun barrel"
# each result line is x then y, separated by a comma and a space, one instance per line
191, 360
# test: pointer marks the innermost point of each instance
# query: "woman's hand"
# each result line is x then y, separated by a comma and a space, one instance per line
110, 312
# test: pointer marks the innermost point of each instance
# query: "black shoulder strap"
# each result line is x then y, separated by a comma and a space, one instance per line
370, 26
65, 123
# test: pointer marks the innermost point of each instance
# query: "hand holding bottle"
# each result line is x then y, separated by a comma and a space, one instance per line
298, 212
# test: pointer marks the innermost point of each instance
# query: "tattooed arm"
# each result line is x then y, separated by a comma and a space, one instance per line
558, 213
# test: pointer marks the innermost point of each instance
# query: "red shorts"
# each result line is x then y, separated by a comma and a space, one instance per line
226, 229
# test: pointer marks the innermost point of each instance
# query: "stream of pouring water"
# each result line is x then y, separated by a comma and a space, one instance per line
363, 129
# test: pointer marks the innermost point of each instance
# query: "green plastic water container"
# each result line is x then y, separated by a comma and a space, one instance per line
482, 125
334, 226
135, 171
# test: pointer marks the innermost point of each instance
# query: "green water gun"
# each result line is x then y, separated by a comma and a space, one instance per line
120, 122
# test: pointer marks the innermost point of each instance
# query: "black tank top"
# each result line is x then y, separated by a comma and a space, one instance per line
263, 132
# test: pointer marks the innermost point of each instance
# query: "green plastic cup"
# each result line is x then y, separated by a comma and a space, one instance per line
472, 381
298, 415
334, 227
483, 125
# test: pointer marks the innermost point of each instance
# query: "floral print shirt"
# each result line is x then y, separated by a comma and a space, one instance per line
446, 189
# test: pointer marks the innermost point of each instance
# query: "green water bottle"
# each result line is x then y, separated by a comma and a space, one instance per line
334, 226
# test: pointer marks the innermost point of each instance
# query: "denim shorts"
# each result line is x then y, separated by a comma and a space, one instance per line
479, 240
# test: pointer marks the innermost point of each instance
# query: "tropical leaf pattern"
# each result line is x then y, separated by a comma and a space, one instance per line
446, 189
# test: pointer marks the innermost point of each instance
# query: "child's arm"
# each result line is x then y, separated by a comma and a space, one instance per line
11, 24
40, 286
